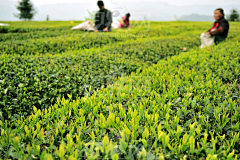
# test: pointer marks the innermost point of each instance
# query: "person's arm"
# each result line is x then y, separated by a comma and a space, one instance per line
210, 29
219, 30
208, 32
97, 21
124, 23
109, 20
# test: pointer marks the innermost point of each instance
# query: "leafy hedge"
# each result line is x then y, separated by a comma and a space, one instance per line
57, 38
28, 81
184, 107
34, 35
32, 26
61, 40
59, 44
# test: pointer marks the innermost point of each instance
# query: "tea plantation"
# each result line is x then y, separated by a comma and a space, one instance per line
148, 92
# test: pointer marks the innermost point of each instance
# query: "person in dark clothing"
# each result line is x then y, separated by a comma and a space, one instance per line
220, 27
103, 19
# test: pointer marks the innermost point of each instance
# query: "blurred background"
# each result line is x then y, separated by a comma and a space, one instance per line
154, 10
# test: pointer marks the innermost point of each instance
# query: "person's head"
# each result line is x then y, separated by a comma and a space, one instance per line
128, 15
218, 14
100, 5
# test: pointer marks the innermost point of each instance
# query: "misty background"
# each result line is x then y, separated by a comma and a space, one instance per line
162, 10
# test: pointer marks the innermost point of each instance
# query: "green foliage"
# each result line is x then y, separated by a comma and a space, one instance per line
132, 119
26, 9
46, 78
33, 26
91, 15
234, 15
156, 96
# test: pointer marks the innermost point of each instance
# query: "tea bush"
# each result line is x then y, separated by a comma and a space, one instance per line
28, 81
179, 108
32, 26
61, 40
128, 94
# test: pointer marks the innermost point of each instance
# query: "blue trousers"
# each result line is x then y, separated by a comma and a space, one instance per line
219, 39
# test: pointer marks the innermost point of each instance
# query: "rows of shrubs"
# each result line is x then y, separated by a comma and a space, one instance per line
138, 96
28, 81
33, 26
179, 108
60, 42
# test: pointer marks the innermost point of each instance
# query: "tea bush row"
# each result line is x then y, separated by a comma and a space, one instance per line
179, 108
28, 81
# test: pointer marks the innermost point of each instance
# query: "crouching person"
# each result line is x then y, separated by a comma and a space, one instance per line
125, 22
103, 19
218, 32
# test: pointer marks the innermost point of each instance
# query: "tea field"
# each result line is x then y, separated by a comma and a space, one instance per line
148, 92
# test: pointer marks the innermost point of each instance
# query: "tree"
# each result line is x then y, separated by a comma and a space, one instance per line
26, 10
234, 15
91, 15
47, 18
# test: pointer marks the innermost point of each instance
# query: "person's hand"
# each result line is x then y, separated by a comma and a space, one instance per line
105, 29
208, 33
96, 31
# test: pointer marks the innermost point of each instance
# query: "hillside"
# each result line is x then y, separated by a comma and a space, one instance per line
196, 17
137, 93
